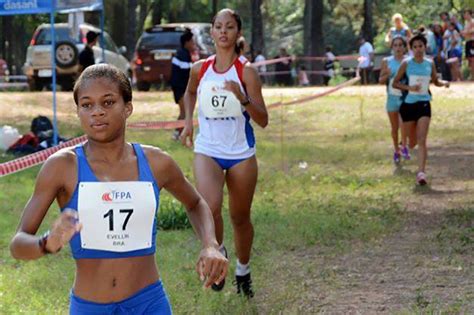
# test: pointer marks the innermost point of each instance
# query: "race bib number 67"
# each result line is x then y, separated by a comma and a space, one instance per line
215, 102
116, 216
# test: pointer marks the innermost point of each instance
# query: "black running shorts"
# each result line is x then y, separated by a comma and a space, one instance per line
413, 112
470, 49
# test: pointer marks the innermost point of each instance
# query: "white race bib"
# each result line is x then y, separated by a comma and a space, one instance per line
423, 81
215, 102
391, 90
116, 216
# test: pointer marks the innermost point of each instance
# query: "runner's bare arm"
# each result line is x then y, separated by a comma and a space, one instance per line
50, 181
396, 81
434, 77
256, 107
190, 97
212, 265
255, 104
384, 72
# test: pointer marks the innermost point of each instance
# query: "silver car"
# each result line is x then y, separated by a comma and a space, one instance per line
37, 66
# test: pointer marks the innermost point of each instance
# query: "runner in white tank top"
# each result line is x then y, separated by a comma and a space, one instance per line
225, 131
229, 93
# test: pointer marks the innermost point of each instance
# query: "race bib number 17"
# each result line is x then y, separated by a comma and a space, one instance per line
116, 216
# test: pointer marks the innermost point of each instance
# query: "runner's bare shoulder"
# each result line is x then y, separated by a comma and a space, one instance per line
161, 163
61, 164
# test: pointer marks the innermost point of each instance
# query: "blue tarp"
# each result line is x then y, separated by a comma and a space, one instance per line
14, 7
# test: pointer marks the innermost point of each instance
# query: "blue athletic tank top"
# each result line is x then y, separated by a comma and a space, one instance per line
399, 33
85, 174
394, 96
418, 69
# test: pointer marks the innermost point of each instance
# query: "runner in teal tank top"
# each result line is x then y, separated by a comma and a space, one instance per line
389, 68
416, 108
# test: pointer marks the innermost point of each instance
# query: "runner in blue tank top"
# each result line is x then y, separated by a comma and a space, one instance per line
388, 70
416, 108
108, 192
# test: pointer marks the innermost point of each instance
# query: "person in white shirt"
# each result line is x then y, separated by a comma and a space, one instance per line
329, 65
366, 52
453, 49
262, 69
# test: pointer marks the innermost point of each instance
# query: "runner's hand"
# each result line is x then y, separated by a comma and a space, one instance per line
415, 88
234, 87
63, 230
212, 266
186, 135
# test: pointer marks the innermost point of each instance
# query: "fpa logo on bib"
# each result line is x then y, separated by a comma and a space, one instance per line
117, 196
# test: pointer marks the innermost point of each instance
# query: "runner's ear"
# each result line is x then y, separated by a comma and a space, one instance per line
128, 109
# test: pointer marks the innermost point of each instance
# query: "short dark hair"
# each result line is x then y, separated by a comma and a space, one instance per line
186, 37
420, 38
91, 36
106, 71
468, 11
328, 48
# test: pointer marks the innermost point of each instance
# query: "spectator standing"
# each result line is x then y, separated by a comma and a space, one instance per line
86, 57
452, 46
444, 17
284, 66
262, 69
468, 34
399, 29
180, 66
366, 52
329, 65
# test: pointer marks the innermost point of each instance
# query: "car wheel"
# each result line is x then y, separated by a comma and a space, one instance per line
35, 84
143, 86
66, 54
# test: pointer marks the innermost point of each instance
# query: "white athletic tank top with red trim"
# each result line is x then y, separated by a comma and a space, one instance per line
224, 125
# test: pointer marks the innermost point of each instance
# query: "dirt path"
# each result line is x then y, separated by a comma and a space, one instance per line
421, 267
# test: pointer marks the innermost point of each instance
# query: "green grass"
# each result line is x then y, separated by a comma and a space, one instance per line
326, 180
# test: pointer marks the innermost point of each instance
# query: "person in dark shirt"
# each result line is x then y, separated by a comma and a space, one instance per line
86, 57
181, 65
283, 69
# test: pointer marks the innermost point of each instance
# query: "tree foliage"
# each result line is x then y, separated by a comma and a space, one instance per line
283, 21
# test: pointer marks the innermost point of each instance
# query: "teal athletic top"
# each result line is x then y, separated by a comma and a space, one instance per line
419, 73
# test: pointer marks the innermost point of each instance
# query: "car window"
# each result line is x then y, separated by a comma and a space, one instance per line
61, 34
109, 43
206, 36
160, 40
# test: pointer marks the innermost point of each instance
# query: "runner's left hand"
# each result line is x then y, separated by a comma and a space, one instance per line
212, 266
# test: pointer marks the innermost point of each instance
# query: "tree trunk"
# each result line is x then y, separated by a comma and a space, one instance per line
8, 43
257, 43
367, 27
313, 36
117, 27
157, 13
142, 16
214, 7
132, 27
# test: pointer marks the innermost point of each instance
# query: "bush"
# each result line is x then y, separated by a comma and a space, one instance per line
172, 215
